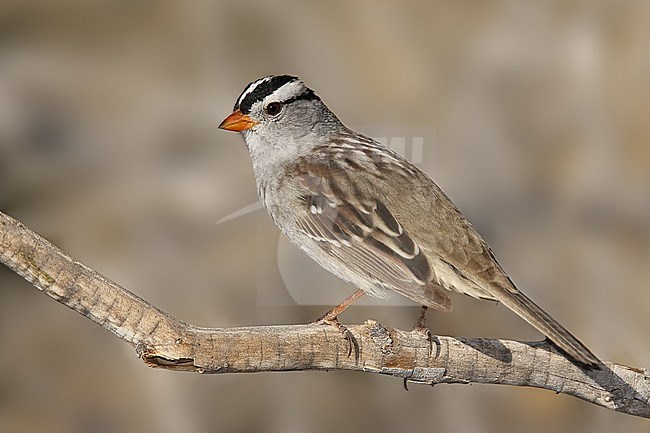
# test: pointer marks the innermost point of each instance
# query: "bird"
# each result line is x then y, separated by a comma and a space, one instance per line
367, 214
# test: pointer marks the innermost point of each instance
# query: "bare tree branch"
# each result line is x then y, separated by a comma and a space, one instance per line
166, 342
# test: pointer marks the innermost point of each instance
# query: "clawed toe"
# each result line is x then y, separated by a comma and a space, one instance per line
352, 342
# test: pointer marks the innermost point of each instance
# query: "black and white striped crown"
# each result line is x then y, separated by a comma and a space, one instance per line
284, 88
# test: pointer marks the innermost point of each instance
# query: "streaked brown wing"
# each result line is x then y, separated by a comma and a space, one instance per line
363, 234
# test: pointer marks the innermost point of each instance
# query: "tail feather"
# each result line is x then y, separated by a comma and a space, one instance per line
543, 322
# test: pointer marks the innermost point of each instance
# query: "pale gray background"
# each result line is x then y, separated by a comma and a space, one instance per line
109, 147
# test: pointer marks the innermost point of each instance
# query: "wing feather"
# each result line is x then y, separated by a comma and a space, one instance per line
361, 232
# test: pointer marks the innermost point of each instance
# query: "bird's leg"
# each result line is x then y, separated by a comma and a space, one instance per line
334, 312
421, 326
331, 318
422, 321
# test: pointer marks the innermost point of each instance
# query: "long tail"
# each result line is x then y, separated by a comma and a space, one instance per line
540, 319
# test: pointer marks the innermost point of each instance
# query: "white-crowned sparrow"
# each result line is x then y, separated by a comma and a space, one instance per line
365, 213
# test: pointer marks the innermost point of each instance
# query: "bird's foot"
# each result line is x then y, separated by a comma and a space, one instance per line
331, 320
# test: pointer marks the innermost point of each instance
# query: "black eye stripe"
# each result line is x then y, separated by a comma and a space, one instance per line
308, 95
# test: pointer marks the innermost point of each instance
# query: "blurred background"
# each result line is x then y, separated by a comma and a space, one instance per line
535, 119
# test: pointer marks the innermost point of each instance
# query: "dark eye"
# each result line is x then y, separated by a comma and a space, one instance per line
273, 109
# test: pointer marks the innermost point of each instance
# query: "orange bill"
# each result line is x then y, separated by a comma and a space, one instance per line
237, 122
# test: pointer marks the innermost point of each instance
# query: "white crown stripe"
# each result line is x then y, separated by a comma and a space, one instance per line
251, 87
288, 91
